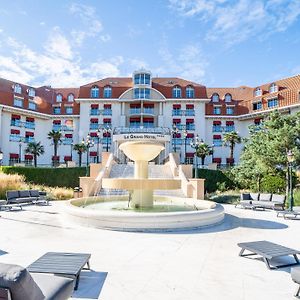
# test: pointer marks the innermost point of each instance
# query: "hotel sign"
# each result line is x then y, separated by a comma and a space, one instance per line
141, 137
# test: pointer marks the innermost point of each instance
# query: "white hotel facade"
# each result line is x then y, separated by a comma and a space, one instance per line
109, 109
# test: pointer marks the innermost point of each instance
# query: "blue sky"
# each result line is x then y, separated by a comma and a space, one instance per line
213, 42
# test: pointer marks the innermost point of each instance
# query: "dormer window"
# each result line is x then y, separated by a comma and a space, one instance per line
190, 92
59, 98
257, 92
95, 92
107, 92
273, 88
142, 78
70, 98
215, 97
176, 93
17, 88
228, 97
31, 92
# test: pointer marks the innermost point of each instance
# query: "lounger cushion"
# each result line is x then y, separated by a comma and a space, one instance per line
278, 198
21, 200
54, 287
12, 194
34, 193
265, 197
295, 272
245, 196
20, 283
24, 194
254, 196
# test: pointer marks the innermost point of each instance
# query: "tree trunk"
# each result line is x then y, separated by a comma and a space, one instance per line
202, 160
80, 157
231, 150
287, 190
35, 160
55, 148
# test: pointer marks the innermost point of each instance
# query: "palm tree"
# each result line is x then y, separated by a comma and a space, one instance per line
80, 148
230, 139
202, 151
36, 149
55, 136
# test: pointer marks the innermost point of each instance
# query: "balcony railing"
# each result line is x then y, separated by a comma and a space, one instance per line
14, 138
97, 112
176, 141
148, 111
142, 129
57, 127
135, 111
176, 112
29, 125
29, 139
68, 141
16, 123
94, 126
219, 128
190, 126
106, 140
189, 112
179, 112
107, 112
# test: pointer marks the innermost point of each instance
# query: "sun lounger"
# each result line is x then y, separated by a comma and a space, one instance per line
268, 251
16, 283
295, 273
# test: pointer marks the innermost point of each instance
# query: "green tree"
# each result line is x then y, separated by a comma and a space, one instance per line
203, 150
80, 148
55, 136
36, 149
230, 139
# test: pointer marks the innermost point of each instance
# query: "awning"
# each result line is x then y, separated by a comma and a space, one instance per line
57, 122
190, 135
217, 122
93, 134
13, 155
257, 120
148, 119
217, 160
106, 134
135, 119
14, 131
67, 158
217, 137
68, 135
16, 117
189, 106
176, 106
93, 153
177, 135
135, 105
148, 105
28, 133
107, 120
28, 119
188, 121
189, 154
107, 106
229, 123
94, 120
94, 106
28, 156
176, 121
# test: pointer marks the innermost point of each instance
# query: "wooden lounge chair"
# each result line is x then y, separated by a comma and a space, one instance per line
268, 251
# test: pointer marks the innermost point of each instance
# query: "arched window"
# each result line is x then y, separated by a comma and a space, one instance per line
95, 92
228, 97
273, 88
59, 97
31, 92
215, 97
107, 92
257, 92
190, 92
17, 88
70, 98
176, 91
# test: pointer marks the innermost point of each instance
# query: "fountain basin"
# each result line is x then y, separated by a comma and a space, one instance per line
143, 183
205, 213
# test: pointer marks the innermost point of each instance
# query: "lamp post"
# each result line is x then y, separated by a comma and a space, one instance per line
290, 159
98, 145
184, 132
106, 131
1, 157
174, 132
71, 151
20, 150
88, 143
195, 144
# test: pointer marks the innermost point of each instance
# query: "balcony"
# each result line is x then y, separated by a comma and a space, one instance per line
16, 123
217, 143
29, 125
68, 141
29, 139
148, 125
56, 127
94, 112
14, 138
219, 128
229, 128
135, 125
190, 126
157, 130
94, 126
189, 112
106, 140
107, 112
135, 111
148, 111
177, 112
176, 141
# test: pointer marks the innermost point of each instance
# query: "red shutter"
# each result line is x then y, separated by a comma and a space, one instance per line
136, 119
176, 106
14, 131
148, 120
13, 155
28, 133
190, 135
107, 106
94, 106
28, 156
217, 123
106, 134
105, 120
16, 117
257, 121
189, 154
94, 120
148, 105
93, 153
177, 135
217, 160
55, 157
28, 119
134, 105
229, 123
68, 135
176, 121
67, 158
93, 134
189, 121
189, 106
217, 137
57, 122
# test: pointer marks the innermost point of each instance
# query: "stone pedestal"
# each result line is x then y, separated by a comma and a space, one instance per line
198, 188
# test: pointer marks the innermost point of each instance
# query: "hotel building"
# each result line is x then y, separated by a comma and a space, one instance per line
108, 110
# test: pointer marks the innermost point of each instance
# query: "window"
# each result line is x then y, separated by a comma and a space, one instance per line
18, 102
190, 92
217, 140
272, 102
56, 110
32, 105
95, 92
58, 97
215, 97
17, 88
107, 92
69, 110
228, 98
273, 88
229, 110
217, 126
31, 92
217, 110
142, 78
229, 126
176, 93
70, 98
141, 93
257, 105
257, 92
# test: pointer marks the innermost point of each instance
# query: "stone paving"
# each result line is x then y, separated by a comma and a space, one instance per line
196, 264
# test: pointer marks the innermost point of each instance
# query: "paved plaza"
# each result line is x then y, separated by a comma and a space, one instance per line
197, 264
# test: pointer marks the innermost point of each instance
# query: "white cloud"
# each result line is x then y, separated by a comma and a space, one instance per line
105, 38
238, 20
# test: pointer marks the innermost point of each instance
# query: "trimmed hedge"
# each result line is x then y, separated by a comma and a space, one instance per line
61, 177
215, 180
273, 184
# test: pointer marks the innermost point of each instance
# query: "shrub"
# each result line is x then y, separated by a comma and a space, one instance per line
55, 177
273, 184
215, 179
10, 182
